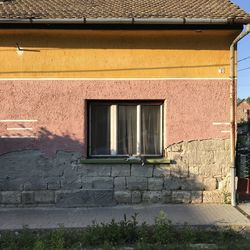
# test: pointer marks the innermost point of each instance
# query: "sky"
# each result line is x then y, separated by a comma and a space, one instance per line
244, 52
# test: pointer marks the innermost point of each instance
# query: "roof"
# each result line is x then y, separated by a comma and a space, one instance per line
243, 100
186, 10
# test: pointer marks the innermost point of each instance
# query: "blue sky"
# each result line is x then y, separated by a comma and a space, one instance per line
243, 52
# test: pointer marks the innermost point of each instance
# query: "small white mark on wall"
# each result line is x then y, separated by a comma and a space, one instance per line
14, 129
221, 123
20, 52
18, 120
221, 70
19, 130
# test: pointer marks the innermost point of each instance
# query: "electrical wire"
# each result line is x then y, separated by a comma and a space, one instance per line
243, 69
243, 59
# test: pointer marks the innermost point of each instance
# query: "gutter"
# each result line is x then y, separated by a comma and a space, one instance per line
190, 21
233, 104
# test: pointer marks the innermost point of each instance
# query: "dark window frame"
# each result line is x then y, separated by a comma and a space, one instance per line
159, 103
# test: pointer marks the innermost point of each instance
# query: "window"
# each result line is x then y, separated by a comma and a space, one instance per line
125, 128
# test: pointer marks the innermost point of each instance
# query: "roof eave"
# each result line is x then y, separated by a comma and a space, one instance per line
145, 21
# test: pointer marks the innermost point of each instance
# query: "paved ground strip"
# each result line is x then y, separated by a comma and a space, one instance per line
245, 208
48, 218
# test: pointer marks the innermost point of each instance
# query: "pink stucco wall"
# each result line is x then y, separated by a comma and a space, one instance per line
59, 106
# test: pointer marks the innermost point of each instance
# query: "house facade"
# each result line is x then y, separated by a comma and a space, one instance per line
104, 105
243, 111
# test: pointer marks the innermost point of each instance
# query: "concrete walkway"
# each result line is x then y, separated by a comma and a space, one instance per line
47, 218
245, 208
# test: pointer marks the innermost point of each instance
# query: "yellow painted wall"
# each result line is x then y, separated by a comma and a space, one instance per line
110, 54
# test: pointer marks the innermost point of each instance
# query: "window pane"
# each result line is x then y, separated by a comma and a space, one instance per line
100, 129
127, 129
150, 129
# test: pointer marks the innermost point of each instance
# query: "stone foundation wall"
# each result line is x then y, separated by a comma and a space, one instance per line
199, 172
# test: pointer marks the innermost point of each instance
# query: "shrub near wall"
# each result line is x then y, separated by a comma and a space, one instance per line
119, 235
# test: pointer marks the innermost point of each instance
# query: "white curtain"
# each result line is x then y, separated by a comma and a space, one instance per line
127, 129
150, 129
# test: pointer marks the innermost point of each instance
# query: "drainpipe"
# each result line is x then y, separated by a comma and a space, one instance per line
233, 110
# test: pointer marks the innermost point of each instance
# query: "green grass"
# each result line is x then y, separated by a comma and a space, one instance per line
114, 235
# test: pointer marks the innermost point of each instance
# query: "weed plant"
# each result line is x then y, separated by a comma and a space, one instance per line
127, 232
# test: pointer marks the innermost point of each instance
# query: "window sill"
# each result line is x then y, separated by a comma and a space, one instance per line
125, 161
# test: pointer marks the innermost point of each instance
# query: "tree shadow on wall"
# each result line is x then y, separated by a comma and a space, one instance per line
44, 140
180, 185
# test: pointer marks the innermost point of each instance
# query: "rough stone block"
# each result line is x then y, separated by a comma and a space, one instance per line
71, 178
20, 164
192, 146
161, 170
101, 182
84, 198
121, 170
35, 183
70, 172
220, 144
179, 170
209, 170
152, 196
27, 197
196, 197
175, 156
46, 197
87, 183
202, 157
192, 183
142, 171
227, 145
71, 183
221, 157
137, 183
225, 169
225, 183
3, 184
208, 158
166, 196
66, 158
181, 196
193, 157
173, 183
175, 147
209, 145
193, 170
123, 197
155, 183
213, 197
11, 197
136, 197
210, 184
54, 170
53, 183
120, 183
94, 170
11, 184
